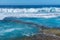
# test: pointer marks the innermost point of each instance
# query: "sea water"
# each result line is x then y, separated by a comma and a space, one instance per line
19, 22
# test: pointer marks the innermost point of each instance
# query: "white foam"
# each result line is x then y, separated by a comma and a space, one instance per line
31, 12
10, 30
39, 15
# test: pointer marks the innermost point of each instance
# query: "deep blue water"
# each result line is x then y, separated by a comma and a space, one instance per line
27, 6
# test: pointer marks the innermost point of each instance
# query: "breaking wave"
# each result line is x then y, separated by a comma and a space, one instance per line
29, 12
25, 10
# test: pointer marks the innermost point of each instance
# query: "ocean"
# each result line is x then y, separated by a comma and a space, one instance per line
20, 21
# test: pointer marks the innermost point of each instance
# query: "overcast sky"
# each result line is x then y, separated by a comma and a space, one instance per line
29, 2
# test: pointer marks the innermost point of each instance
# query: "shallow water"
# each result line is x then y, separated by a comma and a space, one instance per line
11, 29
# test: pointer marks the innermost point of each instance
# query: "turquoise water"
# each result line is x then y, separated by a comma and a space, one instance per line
50, 22
10, 29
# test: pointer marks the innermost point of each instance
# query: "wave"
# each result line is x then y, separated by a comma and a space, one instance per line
29, 12
46, 9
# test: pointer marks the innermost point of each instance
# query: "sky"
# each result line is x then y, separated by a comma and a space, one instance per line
29, 2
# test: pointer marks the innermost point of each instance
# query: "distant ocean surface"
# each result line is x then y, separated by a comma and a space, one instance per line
27, 6
14, 24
